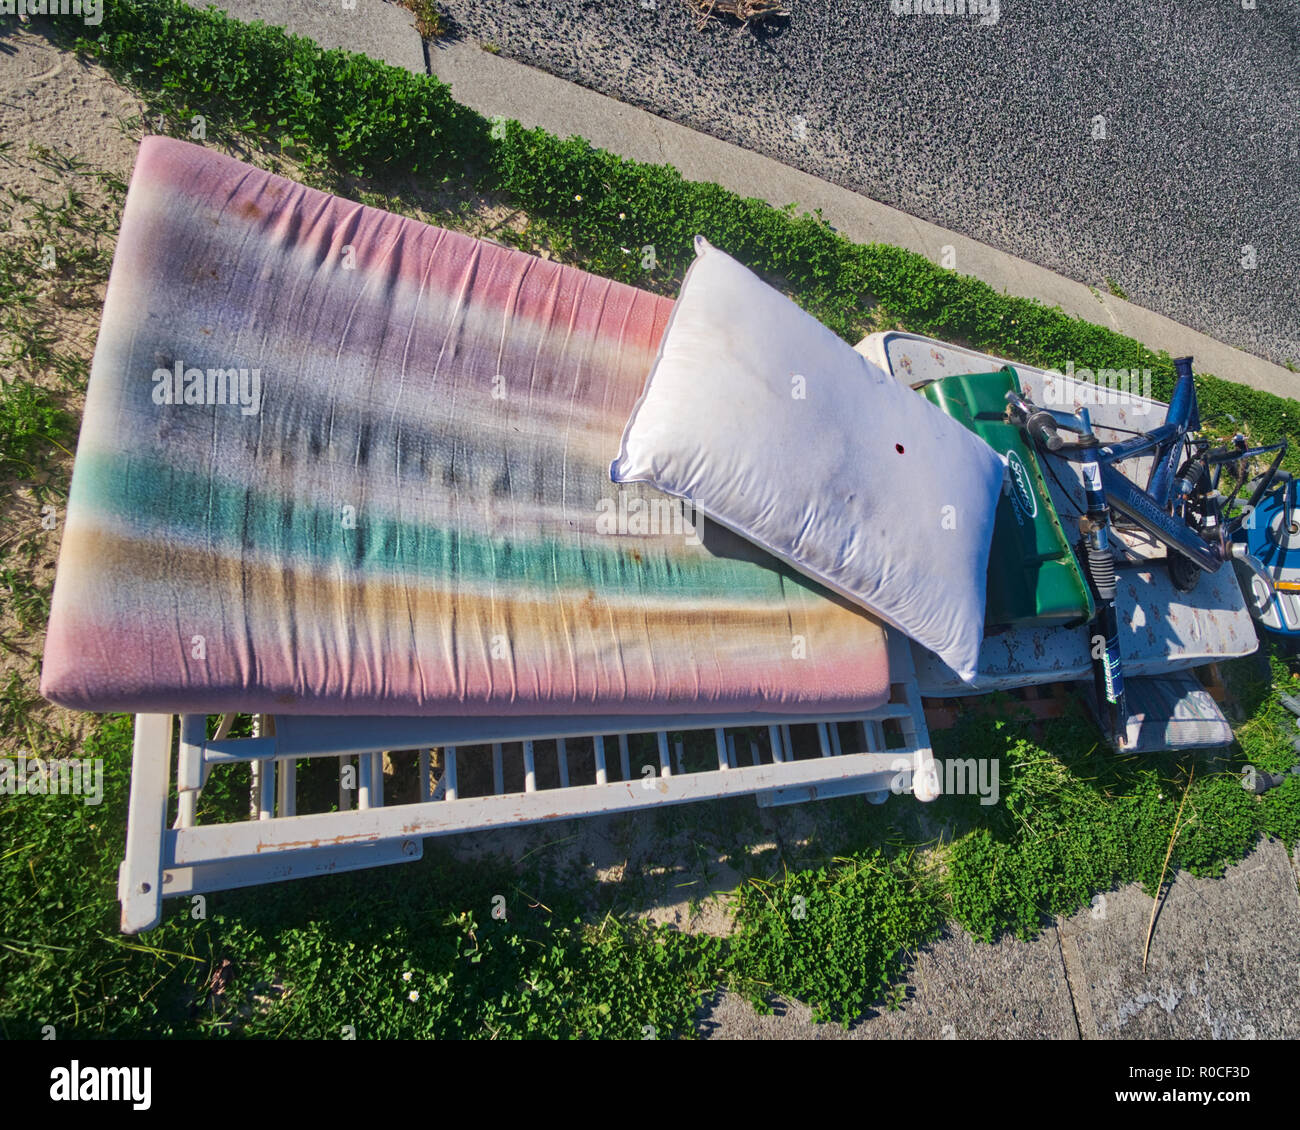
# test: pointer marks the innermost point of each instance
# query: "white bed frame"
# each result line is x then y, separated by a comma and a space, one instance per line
180, 857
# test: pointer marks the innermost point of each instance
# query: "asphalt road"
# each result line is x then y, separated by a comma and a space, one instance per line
1152, 148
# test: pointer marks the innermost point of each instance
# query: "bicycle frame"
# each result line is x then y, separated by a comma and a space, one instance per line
1147, 508
1160, 509
1140, 508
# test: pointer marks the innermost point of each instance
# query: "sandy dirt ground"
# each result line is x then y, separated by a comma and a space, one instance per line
61, 121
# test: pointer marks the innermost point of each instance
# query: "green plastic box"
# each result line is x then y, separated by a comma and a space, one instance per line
1034, 576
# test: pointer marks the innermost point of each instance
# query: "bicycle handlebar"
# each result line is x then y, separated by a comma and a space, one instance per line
1217, 455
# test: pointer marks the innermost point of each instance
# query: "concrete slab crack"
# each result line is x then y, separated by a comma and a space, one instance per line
1076, 983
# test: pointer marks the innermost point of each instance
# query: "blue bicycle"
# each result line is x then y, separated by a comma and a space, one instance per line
1180, 506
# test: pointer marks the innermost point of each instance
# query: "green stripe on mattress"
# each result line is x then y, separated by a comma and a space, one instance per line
161, 502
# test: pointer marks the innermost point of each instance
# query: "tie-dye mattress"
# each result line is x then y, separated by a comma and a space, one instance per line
335, 461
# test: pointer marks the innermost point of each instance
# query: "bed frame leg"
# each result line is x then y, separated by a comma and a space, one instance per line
139, 880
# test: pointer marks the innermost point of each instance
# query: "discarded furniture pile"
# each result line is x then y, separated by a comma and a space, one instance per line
549, 545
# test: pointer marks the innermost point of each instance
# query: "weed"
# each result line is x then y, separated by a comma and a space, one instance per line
835, 937
429, 21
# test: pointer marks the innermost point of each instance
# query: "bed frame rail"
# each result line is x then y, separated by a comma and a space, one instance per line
477, 774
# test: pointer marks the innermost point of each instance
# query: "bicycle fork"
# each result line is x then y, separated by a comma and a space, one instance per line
1099, 559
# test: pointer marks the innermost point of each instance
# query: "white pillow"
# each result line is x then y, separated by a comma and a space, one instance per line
774, 427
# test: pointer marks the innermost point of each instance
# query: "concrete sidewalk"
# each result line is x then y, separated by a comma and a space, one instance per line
1224, 961
498, 86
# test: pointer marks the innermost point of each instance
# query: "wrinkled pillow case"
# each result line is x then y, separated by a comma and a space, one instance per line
772, 426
